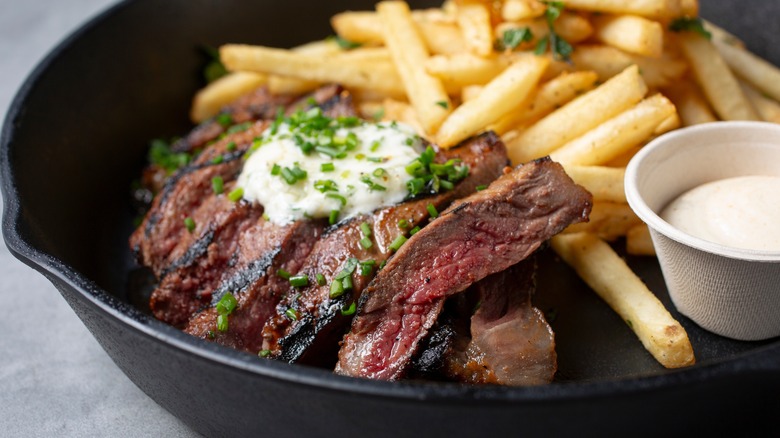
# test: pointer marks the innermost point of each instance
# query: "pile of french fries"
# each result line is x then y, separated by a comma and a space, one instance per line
472, 66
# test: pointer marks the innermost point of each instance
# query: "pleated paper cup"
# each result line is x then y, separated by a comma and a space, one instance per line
729, 291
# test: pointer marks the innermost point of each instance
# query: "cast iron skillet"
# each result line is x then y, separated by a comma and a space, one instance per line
75, 138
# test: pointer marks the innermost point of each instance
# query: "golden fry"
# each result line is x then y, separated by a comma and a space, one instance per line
757, 72
608, 220
578, 116
210, 100
605, 183
639, 242
609, 276
425, 92
631, 34
474, 22
691, 104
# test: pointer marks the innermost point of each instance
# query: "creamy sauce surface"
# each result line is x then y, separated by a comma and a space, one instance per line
371, 174
742, 212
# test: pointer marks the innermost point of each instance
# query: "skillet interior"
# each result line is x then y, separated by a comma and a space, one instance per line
75, 138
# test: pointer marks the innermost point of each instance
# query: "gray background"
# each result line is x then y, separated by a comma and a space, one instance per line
55, 380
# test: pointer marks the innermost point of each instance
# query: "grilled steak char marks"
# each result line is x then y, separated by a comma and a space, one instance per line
312, 337
510, 342
477, 236
264, 250
193, 265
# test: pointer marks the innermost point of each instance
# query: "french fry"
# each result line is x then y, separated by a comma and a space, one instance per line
470, 92
604, 183
464, 69
715, 78
616, 135
609, 276
768, 109
608, 220
515, 10
474, 22
608, 61
496, 99
351, 72
757, 72
578, 116
645, 8
689, 8
210, 100
425, 92
571, 27
365, 27
639, 242
287, 85
549, 96
690, 102
631, 34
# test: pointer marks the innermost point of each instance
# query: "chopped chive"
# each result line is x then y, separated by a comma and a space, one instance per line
241, 127
446, 185
336, 289
432, 211
349, 310
326, 185
291, 313
225, 119
328, 150
366, 229
396, 244
327, 167
276, 170
320, 279
337, 197
284, 274
217, 185
299, 173
333, 217
222, 322
481, 187
414, 231
226, 304
236, 194
231, 146
346, 282
190, 224
443, 104
375, 146
299, 281
219, 159
366, 243
379, 172
264, 353
288, 176
366, 267
403, 224
376, 160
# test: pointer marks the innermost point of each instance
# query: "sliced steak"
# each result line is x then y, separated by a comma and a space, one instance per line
477, 236
263, 250
309, 322
510, 342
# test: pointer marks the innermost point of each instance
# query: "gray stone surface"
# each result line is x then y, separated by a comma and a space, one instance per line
55, 380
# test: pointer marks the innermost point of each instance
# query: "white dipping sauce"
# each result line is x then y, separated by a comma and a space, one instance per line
742, 212
357, 184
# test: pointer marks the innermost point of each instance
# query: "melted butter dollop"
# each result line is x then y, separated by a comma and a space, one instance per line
350, 168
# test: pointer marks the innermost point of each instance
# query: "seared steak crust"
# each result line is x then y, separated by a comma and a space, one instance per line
312, 337
477, 236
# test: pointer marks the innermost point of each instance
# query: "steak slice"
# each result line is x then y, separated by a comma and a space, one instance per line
477, 236
264, 250
510, 342
309, 322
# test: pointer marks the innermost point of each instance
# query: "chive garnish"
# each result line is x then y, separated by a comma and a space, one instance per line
432, 211
291, 313
190, 224
481, 187
236, 194
333, 217
349, 310
320, 279
264, 353
217, 185
284, 274
299, 281
396, 244
414, 231
327, 167
366, 243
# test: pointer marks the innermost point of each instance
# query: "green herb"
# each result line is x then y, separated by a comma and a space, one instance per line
342, 200
403, 224
320, 279
336, 289
334, 216
264, 353
214, 69
284, 274
559, 47
414, 231
344, 43
190, 224
327, 167
160, 154
236, 194
219, 159
516, 36
224, 308
222, 323
276, 170
299, 281
292, 314
230, 147
349, 310
366, 267
365, 229
379, 172
366, 243
443, 103
326, 185
241, 127
427, 175
379, 114
690, 24
481, 187
432, 211
217, 185
224, 119
396, 244
372, 186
